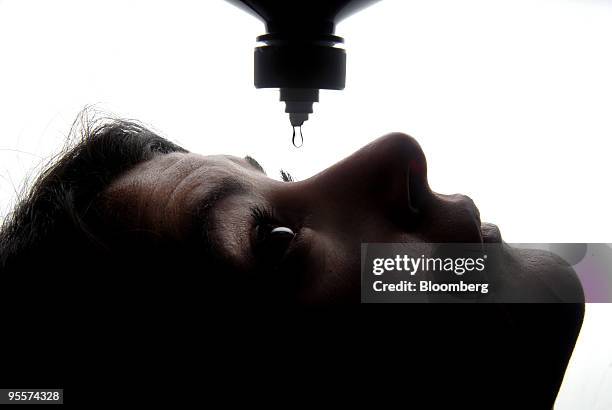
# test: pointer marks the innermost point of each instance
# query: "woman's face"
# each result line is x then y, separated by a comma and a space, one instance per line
309, 230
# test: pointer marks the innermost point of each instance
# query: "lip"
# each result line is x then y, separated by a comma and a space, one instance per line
490, 233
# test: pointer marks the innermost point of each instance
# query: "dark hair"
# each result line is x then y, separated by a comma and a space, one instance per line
64, 242
58, 214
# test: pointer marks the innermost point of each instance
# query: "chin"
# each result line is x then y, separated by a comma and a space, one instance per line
530, 275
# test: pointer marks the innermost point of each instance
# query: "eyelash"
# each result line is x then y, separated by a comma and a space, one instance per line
263, 216
265, 220
286, 176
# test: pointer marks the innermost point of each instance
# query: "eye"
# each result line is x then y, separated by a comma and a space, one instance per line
272, 238
272, 243
282, 231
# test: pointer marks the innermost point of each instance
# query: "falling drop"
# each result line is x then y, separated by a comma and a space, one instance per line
300, 139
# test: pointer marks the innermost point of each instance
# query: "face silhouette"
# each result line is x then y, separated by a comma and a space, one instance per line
306, 233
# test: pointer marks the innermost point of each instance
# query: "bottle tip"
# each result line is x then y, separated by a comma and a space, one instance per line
297, 118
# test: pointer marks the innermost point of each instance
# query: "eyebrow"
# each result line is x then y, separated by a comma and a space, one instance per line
204, 212
254, 163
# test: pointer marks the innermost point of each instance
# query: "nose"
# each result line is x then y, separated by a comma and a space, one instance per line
386, 177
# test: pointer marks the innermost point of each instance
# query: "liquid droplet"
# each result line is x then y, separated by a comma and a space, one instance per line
299, 141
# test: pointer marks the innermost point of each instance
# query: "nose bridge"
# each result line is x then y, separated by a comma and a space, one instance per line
385, 178
376, 168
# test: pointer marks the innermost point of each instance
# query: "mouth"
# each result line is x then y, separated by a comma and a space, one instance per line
490, 233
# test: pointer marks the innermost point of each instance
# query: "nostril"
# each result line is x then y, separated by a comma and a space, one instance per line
406, 202
417, 186
405, 162
411, 194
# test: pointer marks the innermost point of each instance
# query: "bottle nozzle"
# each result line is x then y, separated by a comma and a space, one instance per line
298, 104
297, 118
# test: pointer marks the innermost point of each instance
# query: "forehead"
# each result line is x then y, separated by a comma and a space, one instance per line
177, 167
157, 191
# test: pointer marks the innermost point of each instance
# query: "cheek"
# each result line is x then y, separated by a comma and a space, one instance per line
330, 268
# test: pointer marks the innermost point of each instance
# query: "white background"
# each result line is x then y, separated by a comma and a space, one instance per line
510, 100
